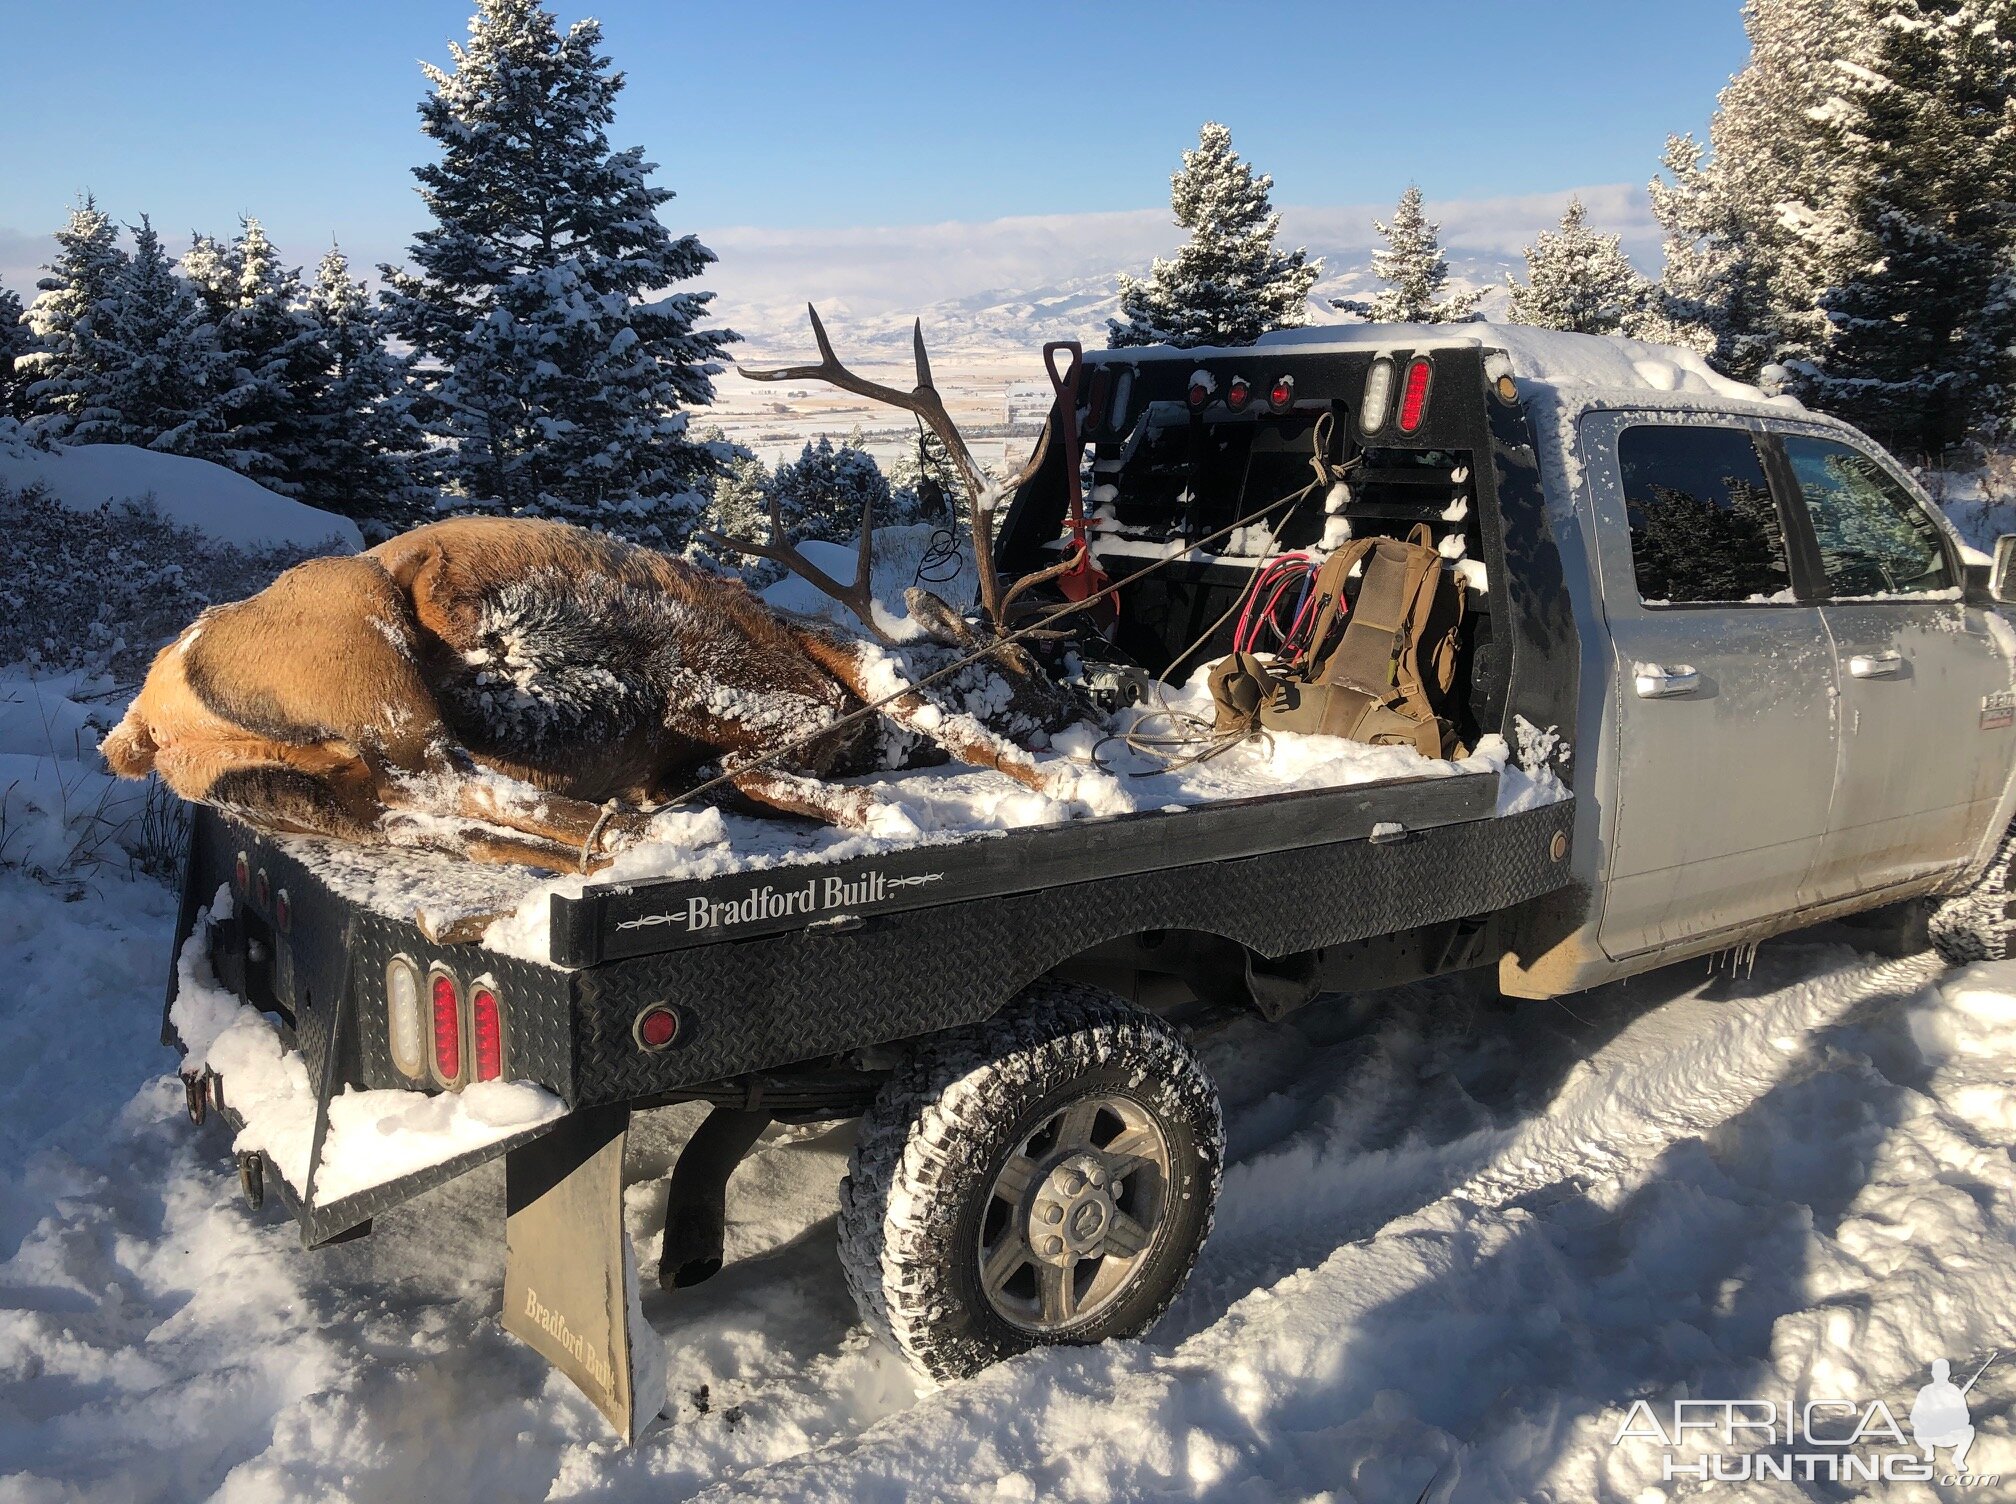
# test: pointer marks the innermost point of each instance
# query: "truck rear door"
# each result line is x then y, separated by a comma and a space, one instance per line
1722, 681
1926, 738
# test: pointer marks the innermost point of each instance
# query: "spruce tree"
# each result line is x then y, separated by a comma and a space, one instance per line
555, 382
1229, 283
1914, 248
363, 453
66, 318
1578, 280
1734, 284
1415, 272
268, 342
159, 369
16, 341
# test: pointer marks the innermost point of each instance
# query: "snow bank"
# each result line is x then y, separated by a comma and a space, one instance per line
1458, 1241
61, 813
192, 493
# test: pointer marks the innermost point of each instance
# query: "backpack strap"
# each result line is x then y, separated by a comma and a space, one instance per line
1329, 587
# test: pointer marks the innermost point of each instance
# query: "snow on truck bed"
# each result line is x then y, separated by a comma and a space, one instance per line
925, 806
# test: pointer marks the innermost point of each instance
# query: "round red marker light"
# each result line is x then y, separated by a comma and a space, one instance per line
264, 891
1281, 393
1199, 394
1238, 394
656, 1027
241, 874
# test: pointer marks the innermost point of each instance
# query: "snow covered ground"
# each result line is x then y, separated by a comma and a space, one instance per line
1458, 1239
191, 493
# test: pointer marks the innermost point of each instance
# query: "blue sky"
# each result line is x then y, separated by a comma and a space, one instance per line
812, 117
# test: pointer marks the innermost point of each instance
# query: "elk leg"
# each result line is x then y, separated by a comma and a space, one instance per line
550, 822
961, 735
276, 797
835, 804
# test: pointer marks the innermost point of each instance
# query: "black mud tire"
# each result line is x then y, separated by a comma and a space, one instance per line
1977, 925
924, 1163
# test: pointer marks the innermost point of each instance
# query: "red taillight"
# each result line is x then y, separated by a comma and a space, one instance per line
1281, 393
1199, 394
1414, 396
1238, 394
656, 1027
486, 1024
241, 874
263, 891
447, 1029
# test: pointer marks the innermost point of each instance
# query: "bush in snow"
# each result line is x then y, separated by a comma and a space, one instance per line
1415, 272
1229, 283
556, 365
99, 591
1579, 281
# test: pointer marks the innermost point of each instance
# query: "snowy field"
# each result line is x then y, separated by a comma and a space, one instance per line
1458, 1239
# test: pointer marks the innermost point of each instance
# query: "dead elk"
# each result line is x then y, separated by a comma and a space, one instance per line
523, 691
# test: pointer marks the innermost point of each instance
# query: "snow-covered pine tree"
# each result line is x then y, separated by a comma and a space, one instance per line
1415, 272
1229, 283
1577, 280
1732, 284
274, 358
556, 382
364, 454
157, 384
16, 341
824, 488
1914, 248
66, 364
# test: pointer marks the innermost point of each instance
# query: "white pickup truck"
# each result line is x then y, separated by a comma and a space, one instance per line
1750, 678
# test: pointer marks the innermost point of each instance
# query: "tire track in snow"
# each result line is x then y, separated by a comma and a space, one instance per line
1194, 1416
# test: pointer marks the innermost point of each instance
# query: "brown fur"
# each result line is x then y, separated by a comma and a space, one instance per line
353, 688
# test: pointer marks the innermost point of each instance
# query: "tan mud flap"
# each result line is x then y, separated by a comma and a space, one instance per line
570, 1277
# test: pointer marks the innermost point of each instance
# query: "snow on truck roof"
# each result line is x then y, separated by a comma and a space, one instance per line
1540, 357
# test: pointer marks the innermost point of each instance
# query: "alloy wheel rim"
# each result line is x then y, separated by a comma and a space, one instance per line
1073, 1214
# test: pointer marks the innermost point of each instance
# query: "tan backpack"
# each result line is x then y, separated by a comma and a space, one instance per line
1387, 681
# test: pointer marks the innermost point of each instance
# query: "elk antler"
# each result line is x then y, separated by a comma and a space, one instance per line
923, 400
858, 596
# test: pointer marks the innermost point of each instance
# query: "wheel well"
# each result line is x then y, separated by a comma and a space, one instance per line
1190, 975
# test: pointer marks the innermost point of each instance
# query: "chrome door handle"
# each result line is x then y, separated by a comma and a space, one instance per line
1876, 665
1655, 682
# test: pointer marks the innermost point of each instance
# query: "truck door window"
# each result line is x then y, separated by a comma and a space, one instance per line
1703, 524
1874, 537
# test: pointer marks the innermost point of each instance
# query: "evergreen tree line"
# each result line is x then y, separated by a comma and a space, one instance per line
530, 360
1847, 233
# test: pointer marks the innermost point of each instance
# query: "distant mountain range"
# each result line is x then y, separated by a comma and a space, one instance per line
1007, 322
